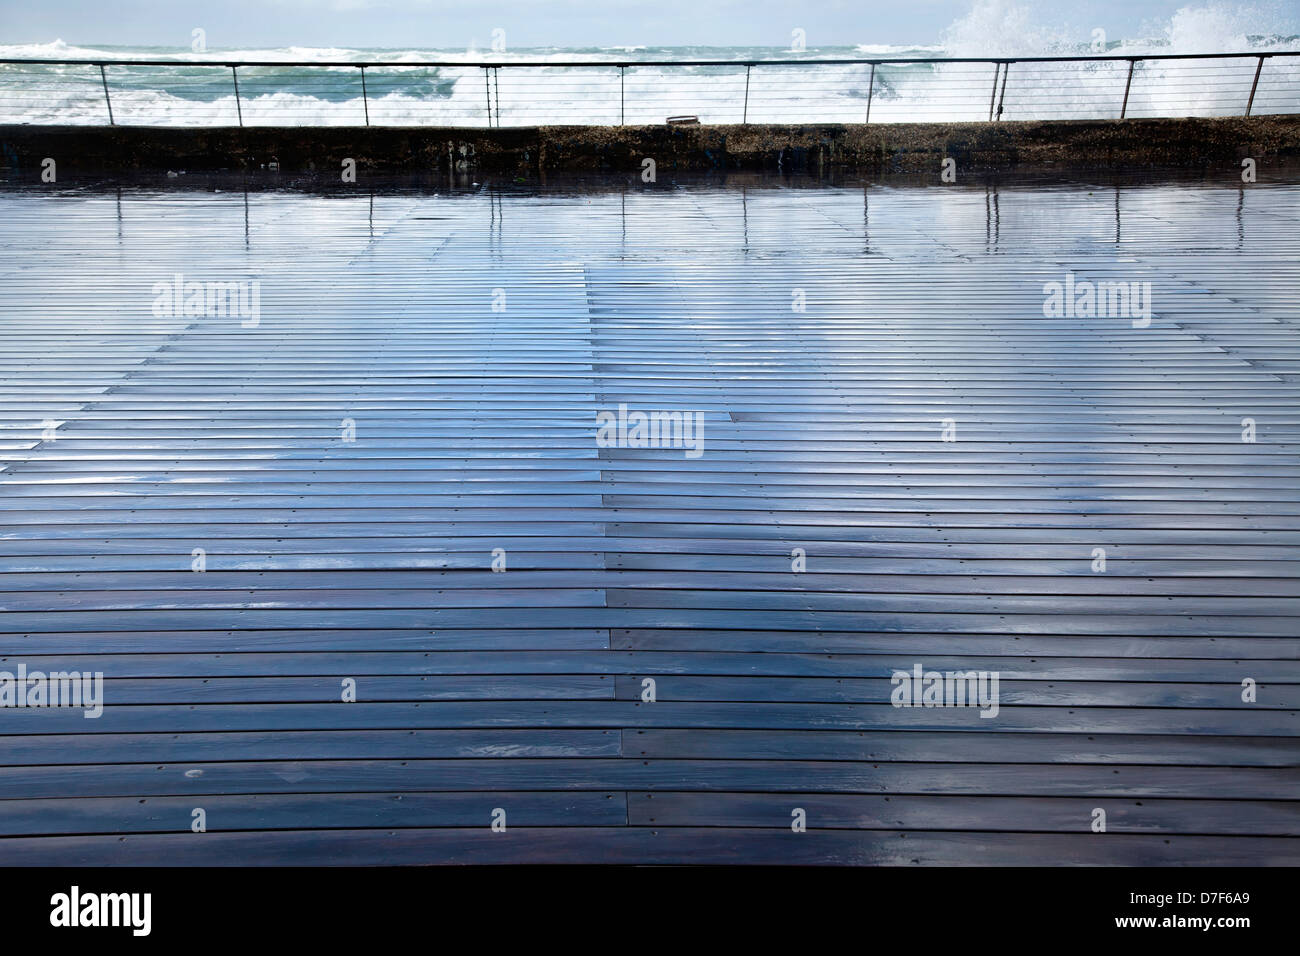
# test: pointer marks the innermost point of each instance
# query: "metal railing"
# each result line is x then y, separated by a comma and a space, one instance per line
176, 92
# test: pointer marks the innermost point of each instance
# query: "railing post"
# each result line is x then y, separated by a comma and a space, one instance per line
871, 87
365, 102
107, 102
234, 75
492, 78
1123, 110
744, 116
1251, 102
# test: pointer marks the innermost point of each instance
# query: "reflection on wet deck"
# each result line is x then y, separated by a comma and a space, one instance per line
385, 476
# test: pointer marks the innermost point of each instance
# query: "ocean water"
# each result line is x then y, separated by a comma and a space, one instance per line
196, 89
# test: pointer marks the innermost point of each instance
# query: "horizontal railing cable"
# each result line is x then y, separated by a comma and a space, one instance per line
219, 92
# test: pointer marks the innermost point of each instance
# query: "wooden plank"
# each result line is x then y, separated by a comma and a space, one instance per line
331, 714
959, 747
1007, 814
1010, 692
633, 618
281, 689
391, 582
1282, 652
408, 639
44, 749
559, 773
452, 663
645, 845
318, 811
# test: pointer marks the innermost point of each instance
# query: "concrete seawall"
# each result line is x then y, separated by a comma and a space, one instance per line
1074, 144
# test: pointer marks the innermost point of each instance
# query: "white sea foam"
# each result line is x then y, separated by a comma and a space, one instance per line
190, 93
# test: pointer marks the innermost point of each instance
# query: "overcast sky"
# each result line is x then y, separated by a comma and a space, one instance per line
565, 23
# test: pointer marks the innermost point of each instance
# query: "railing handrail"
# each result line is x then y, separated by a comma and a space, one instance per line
570, 64
491, 70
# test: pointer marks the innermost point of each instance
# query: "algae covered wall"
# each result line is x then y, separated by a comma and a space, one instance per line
897, 147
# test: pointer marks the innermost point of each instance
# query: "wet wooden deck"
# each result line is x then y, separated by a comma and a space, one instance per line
128, 440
